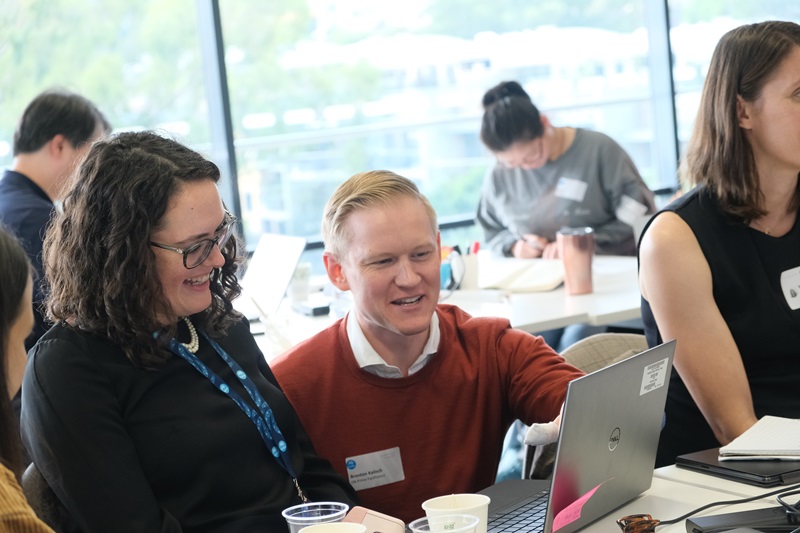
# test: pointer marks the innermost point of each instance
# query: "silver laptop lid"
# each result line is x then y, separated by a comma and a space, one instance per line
269, 273
609, 436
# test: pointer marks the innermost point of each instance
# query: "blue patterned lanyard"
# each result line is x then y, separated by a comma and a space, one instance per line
263, 418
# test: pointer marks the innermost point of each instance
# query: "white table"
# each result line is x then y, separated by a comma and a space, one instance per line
285, 329
615, 298
676, 491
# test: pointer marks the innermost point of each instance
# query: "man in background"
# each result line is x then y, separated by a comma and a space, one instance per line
55, 130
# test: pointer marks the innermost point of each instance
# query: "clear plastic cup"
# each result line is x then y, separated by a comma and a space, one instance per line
451, 523
307, 514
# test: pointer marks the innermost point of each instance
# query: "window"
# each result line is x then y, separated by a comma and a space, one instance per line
132, 59
696, 29
321, 90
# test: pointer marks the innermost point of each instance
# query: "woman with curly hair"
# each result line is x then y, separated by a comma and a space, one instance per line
148, 406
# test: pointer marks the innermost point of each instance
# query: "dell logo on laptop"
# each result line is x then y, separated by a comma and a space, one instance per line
613, 440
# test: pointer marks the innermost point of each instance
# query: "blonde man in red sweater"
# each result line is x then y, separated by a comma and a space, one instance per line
408, 398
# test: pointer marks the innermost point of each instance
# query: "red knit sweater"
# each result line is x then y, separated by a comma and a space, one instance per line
448, 420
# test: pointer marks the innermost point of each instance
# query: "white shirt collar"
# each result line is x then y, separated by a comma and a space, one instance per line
368, 359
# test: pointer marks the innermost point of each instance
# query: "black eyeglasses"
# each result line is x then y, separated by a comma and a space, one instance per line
194, 255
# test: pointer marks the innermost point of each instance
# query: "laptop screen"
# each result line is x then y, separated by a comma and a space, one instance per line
269, 273
608, 440
606, 449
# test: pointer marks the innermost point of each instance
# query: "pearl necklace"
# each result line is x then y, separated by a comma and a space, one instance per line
195, 342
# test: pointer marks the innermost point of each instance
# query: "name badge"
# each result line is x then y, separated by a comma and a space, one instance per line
629, 210
571, 189
375, 469
790, 284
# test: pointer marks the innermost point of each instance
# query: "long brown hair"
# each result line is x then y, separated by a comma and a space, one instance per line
15, 269
718, 155
98, 261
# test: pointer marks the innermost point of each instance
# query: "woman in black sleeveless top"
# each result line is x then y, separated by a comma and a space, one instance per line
720, 267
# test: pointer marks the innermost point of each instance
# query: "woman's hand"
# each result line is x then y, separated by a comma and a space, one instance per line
529, 246
550, 251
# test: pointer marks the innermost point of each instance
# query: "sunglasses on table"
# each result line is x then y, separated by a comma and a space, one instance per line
194, 255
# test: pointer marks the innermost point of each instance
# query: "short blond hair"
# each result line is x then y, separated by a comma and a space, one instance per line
362, 191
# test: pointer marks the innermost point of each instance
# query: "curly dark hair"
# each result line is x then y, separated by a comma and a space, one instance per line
509, 116
98, 261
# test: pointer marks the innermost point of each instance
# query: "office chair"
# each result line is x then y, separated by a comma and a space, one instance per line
589, 354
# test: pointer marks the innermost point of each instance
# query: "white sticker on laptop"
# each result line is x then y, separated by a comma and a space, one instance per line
790, 284
571, 189
375, 469
654, 376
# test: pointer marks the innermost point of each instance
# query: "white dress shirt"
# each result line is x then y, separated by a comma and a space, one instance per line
372, 362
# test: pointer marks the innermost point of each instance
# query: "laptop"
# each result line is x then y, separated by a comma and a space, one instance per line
755, 520
763, 473
606, 450
268, 275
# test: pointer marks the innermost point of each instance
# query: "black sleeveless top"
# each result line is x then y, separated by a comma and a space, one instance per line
762, 313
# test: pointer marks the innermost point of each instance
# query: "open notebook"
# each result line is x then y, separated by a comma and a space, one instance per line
772, 437
521, 275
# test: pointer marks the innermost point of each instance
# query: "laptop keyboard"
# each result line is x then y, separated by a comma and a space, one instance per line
527, 517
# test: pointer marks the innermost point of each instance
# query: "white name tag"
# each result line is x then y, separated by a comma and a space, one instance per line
629, 210
375, 469
790, 284
571, 189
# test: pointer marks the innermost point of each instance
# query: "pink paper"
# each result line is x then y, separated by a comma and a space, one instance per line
572, 512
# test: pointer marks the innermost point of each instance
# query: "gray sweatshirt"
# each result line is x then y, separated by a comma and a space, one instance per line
594, 183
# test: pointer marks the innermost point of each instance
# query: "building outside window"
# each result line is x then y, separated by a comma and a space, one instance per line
322, 89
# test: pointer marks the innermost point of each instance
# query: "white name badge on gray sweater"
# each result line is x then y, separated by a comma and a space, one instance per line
571, 189
375, 469
630, 210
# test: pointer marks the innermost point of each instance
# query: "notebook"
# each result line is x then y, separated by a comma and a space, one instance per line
606, 451
521, 275
268, 275
754, 472
772, 437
